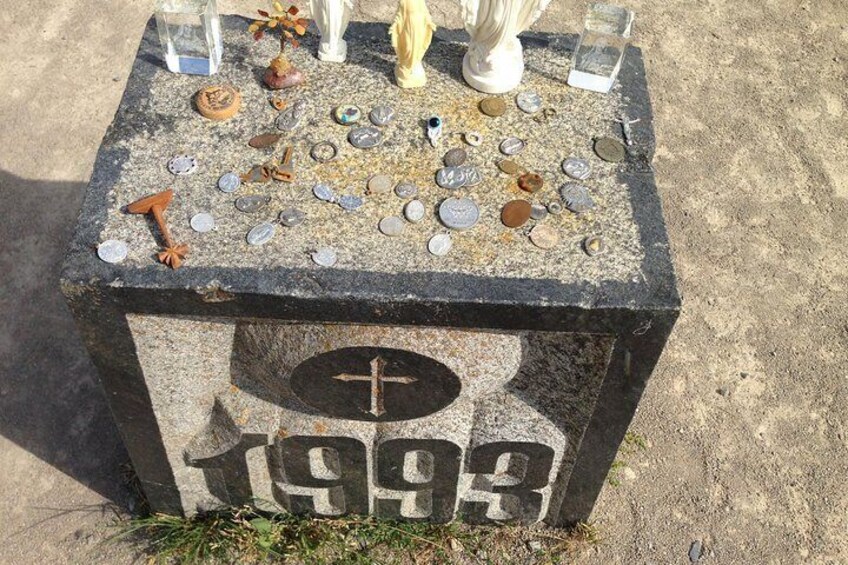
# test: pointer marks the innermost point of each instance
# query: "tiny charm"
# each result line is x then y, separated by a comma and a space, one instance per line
290, 118
291, 217
411, 32
229, 182
576, 197
332, 18
381, 115
594, 245
281, 73
261, 234
324, 256
379, 184
173, 254
538, 212
202, 222
347, 114
434, 129
220, 102
392, 226
406, 190
512, 146
473, 138
182, 165
529, 102
530, 182
440, 244
112, 251
414, 211
323, 192
365, 137
350, 202
578, 169
251, 204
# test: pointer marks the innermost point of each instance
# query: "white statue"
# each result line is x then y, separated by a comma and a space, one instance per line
331, 17
412, 32
494, 62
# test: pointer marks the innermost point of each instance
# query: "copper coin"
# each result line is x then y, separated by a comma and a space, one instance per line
515, 213
508, 166
264, 140
219, 102
493, 106
530, 182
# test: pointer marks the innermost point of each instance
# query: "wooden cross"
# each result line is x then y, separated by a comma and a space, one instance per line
377, 378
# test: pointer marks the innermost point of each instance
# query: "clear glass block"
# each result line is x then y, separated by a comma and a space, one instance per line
190, 32
600, 50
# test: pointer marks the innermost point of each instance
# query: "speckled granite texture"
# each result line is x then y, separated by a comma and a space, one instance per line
526, 366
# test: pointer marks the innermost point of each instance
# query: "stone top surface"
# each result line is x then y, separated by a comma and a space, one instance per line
490, 262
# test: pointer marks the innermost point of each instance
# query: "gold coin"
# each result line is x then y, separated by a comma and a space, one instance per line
219, 102
493, 106
508, 166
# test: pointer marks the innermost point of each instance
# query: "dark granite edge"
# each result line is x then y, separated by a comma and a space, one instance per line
657, 290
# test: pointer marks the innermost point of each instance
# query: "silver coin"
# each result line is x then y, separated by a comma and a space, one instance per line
455, 157
472, 175
459, 213
288, 119
576, 197
538, 212
379, 184
451, 177
323, 192
350, 202
440, 244
555, 207
182, 165
324, 256
261, 234
112, 251
544, 237
291, 217
414, 211
406, 190
381, 115
365, 137
252, 203
202, 222
578, 169
529, 102
392, 225
512, 146
229, 182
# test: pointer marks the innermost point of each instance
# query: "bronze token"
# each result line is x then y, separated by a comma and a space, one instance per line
219, 102
508, 166
493, 106
610, 150
278, 103
264, 140
515, 213
530, 182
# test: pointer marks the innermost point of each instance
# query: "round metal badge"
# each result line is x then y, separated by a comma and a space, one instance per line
381, 115
529, 102
229, 182
512, 146
261, 234
112, 251
440, 244
182, 165
459, 213
578, 169
365, 137
202, 222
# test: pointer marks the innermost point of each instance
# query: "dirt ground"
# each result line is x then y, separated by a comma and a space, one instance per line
745, 416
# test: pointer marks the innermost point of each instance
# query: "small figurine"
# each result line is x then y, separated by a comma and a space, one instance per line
411, 34
494, 62
281, 73
331, 17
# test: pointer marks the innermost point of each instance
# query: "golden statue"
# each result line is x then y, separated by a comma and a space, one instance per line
411, 34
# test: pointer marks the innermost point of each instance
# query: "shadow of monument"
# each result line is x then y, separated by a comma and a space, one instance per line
50, 402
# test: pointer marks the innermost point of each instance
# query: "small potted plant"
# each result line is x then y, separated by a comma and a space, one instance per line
281, 73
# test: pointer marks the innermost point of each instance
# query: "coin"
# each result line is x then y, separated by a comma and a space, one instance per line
291, 217
538, 212
609, 149
229, 182
544, 237
529, 102
324, 151
493, 106
112, 251
472, 175
576, 197
530, 182
264, 140
218, 102
347, 114
594, 245
381, 115
324, 256
578, 169
512, 146
459, 213
515, 213
323, 192
440, 244
450, 177
414, 211
202, 222
406, 190
508, 166
261, 234
455, 157
365, 137
379, 184
555, 207
252, 203
392, 225
182, 165
472, 138
350, 202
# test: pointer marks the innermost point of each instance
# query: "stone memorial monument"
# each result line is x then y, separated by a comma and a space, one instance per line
314, 352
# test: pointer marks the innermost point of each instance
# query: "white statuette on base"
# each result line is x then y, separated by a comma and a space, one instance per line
332, 18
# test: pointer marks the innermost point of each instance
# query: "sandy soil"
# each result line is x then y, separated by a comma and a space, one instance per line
745, 415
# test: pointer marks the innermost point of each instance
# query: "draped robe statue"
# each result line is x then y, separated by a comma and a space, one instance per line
494, 62
411, 34
332, 17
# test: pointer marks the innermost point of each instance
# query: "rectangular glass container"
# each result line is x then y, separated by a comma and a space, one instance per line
190, 32
600, 50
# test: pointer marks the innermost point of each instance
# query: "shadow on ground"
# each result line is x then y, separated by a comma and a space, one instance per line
50, 403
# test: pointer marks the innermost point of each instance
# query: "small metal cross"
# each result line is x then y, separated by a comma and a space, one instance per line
377, 378
626, 129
